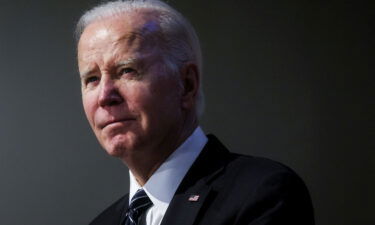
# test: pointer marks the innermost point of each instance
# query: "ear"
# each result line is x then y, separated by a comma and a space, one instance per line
190, 85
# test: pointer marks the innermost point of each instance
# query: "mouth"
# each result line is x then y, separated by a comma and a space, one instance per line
113, 122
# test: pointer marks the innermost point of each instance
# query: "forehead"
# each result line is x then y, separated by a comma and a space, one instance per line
138, 29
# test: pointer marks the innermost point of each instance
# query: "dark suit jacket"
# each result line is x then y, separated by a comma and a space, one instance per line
233, 189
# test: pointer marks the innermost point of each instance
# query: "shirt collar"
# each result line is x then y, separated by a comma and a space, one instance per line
164, 182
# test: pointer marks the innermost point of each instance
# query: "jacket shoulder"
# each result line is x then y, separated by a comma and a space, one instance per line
266, 190
257, 166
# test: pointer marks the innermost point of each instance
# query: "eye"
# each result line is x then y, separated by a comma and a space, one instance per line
127, 70
91, 80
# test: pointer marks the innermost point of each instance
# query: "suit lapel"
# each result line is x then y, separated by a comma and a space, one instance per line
123, 208
195, 188
183, 211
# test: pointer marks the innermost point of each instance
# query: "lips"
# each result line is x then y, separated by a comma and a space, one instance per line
109, 122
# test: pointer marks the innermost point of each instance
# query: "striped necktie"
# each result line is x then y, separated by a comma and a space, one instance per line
138, 205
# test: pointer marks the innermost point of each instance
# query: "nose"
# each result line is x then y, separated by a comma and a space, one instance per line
109, 94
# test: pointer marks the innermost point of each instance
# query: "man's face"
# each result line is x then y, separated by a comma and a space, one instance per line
131, 101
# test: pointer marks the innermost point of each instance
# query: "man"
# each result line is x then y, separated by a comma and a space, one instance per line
140, 67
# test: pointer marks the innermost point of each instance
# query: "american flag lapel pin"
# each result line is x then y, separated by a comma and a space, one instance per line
193, 198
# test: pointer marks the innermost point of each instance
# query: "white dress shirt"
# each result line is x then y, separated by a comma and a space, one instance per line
163, 184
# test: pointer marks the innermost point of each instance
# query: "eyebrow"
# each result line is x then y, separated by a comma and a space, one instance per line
86, 73
126, 62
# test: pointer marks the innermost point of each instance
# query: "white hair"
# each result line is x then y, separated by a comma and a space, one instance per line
178, 35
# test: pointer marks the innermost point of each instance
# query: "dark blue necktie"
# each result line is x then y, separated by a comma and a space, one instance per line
138, 205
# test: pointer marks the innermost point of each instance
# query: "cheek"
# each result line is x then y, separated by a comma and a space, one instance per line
88, 106
157, 100
137, 96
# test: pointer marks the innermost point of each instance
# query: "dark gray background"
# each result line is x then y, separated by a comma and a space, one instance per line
288, 80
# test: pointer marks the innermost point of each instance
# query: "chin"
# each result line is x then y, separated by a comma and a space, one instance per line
115, 153
117, 147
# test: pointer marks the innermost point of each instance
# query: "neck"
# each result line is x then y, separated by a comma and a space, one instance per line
145, 163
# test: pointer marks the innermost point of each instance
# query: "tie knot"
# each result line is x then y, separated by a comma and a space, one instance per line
138, 204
